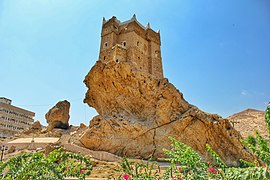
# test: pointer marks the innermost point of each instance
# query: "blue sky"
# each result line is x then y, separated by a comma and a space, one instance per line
216, 52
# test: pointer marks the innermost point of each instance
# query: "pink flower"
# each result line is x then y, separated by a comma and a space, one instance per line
212, 170
180, 170
264, 165
180, 179
81, 171
138, 157
126, 176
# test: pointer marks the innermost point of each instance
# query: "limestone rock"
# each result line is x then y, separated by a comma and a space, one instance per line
36, 126
11, 149
49, 148
137, 114
249, 121
82, 126
58, 116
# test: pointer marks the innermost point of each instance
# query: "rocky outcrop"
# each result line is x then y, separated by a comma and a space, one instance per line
58, 116
36, 127
137, 114
249, 121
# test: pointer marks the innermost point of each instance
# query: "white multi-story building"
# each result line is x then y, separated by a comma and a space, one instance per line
13, 119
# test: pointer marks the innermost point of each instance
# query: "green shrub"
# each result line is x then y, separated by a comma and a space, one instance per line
139, 170
191, 164
267, 119
57, 165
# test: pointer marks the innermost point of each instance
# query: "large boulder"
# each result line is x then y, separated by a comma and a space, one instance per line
58, 116
137, 114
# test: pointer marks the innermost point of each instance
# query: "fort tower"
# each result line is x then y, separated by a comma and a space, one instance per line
131, 42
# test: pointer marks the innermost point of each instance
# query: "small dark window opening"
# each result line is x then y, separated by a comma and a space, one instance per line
138, 43
124, 43
117, 60
106, 44
139, 57
104, 57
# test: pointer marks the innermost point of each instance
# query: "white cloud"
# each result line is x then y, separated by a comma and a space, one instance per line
244, 93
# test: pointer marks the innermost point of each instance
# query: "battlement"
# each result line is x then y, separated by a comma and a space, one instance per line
132, 42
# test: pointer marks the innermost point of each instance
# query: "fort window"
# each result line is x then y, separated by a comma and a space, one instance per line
105, 44
156, 53
117, 60
124, 43
104, 57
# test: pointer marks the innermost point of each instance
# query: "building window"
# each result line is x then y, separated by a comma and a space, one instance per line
124, 43
117, 60
106, 44
104, 58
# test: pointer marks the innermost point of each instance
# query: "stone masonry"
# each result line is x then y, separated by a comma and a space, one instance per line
130, 41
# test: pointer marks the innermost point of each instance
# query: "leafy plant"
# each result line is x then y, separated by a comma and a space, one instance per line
191, 163
57, 165
139, 170
215, 157
267, 119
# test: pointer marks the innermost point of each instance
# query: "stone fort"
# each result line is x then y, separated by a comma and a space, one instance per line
130, 41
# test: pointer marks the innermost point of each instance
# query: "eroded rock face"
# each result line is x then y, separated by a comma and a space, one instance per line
138, 113
249, 121
58, 116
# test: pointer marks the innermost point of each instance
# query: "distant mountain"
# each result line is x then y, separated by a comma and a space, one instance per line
248, 121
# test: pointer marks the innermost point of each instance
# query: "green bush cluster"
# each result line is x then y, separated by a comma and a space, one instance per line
57, 165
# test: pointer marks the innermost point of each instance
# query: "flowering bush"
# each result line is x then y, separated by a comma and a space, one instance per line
190, 161
57, 165
139, 170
